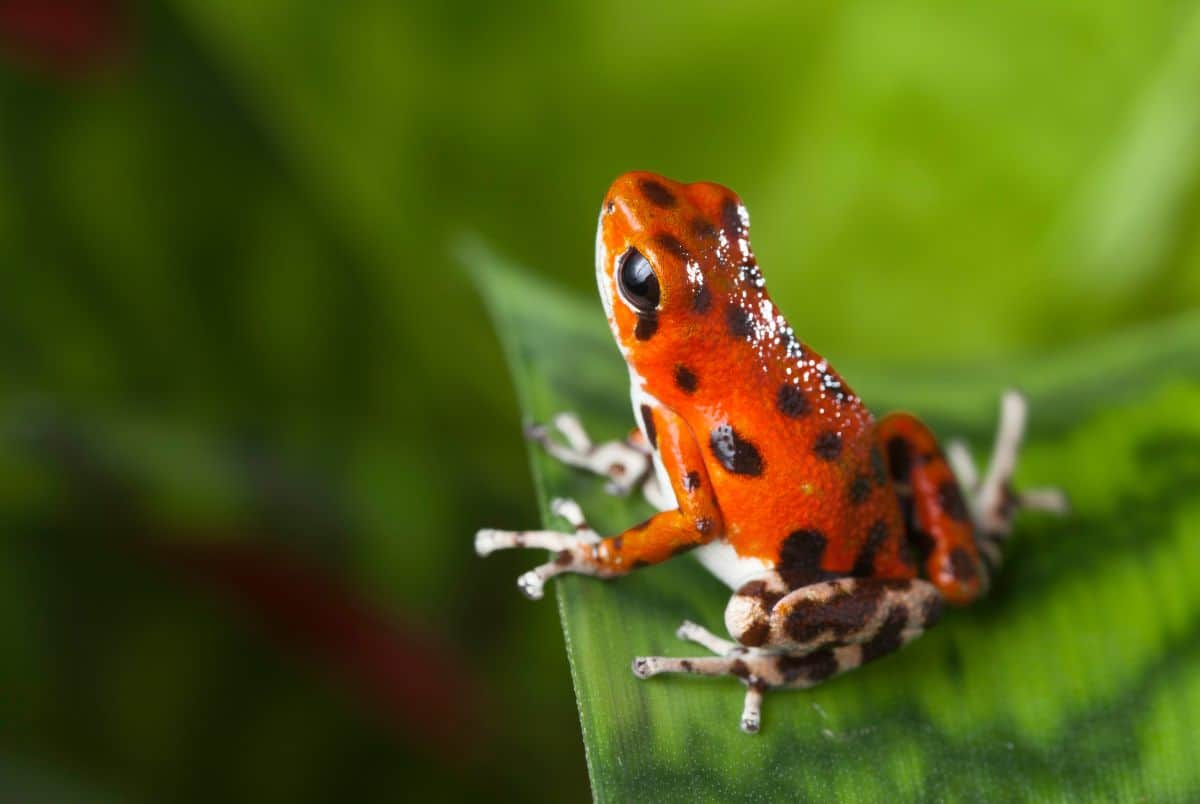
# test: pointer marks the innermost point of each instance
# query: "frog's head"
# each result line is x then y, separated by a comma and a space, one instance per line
669, 258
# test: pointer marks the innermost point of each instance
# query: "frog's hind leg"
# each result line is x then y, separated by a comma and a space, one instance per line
993, 501
797, 638
627, 464
938, 526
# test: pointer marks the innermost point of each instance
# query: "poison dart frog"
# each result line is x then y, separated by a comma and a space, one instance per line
841, 535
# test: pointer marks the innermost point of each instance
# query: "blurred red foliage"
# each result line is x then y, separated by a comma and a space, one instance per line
67, 38
417, 683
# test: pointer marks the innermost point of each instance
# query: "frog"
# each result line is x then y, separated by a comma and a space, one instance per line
841, 536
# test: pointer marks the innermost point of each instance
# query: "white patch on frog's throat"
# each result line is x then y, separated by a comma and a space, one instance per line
733, 570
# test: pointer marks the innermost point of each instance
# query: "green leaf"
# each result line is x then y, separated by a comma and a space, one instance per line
1077, 677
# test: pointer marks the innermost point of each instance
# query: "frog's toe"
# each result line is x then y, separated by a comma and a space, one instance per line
488, 540
535, 432
1052, 500
532, 585
752, 709
483, 542
569, 510
691, 632
571, 429
742, 665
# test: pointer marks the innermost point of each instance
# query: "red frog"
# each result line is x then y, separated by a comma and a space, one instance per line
841, 535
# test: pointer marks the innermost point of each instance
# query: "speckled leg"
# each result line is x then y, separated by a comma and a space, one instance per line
992, 501
574, 551
801, 637
626, 464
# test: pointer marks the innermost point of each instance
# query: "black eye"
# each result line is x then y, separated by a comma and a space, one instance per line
637, 281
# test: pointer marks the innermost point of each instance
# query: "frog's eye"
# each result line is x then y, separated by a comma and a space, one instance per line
637, 281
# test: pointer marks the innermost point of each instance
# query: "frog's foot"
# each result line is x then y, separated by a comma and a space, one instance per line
759, 670
993, 500
626, 464
802, 637
573, 552
731, 659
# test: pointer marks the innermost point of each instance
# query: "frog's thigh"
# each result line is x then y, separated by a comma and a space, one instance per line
801, 637
937, 518
877, 614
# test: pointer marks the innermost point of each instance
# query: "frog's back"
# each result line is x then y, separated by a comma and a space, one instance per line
791, 453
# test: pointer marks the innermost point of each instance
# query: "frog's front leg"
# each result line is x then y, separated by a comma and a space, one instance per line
696, 521
627, 464
800, 637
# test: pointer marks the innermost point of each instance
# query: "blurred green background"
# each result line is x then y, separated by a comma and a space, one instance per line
252, 410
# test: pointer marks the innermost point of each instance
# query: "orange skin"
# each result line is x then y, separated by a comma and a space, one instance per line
803, 455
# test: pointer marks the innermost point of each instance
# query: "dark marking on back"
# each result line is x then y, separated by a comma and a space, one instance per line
864, 565
731, 218
703, 229
656, 194
899, 458
962, 566
648, 423
685, 379
691, 481
860, 489
828, 445
647, 325
791, 401
734, 452
671, 244
802, 549
738, 321
701, 299
888, 638
704, 526
951, 500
